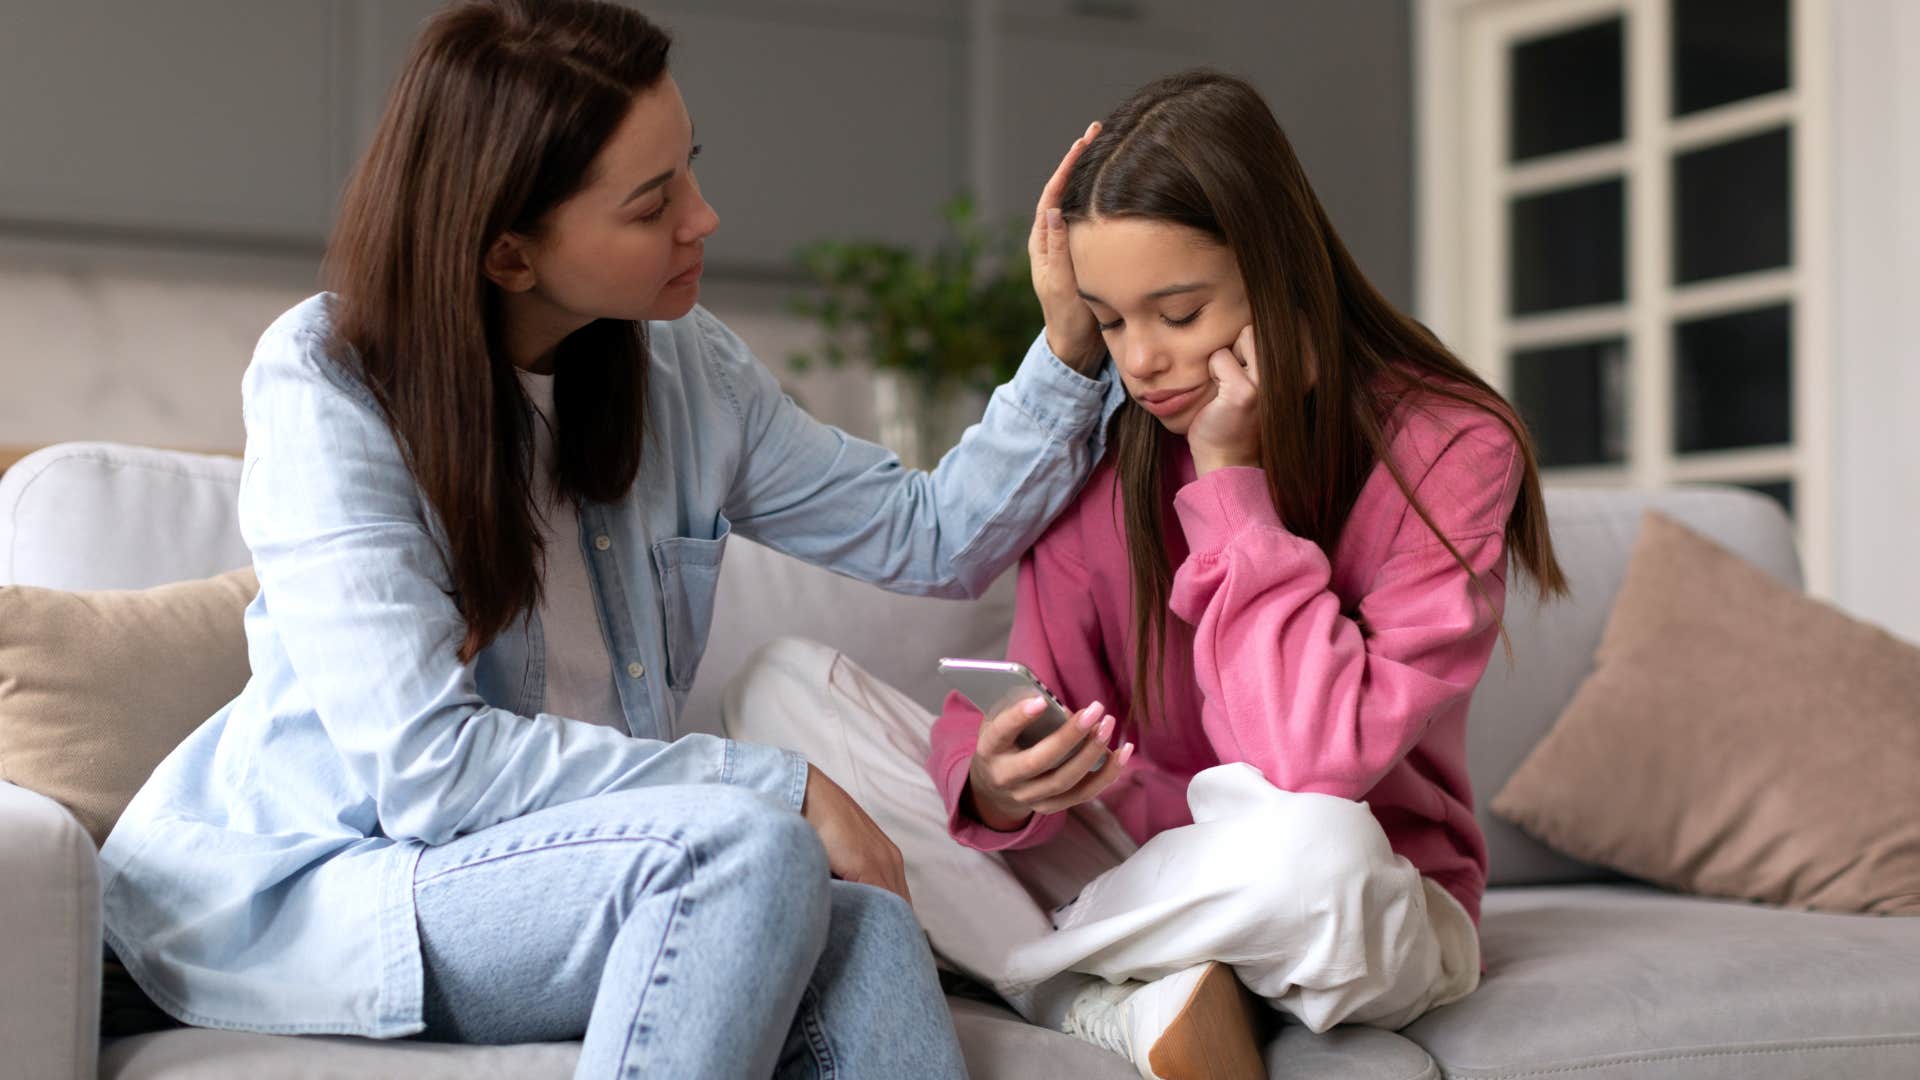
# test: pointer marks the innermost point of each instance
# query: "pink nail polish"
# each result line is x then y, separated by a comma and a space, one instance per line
1086, 720
1033, 707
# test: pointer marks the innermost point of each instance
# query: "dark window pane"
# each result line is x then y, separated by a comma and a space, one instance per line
1732, 207
1726, 50
1733, 381
1780, 491
1569, 248
1567, 91
1573, 398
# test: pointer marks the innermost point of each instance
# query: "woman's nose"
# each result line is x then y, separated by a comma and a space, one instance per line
700, 222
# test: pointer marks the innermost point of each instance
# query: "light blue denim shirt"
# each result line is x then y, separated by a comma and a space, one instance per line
262, 878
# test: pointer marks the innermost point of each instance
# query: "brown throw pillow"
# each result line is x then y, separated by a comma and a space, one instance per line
97, 687
1737, 739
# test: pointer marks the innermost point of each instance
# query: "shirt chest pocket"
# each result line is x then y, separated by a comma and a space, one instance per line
687, 570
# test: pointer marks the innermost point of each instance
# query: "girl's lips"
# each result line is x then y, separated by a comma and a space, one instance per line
1171, 406
688, 276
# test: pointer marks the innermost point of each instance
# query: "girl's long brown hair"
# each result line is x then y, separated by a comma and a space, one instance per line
495, 120
1201, 149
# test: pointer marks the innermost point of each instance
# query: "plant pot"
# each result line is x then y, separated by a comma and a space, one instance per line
921, 422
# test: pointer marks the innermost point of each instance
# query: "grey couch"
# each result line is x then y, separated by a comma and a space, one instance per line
1589, 976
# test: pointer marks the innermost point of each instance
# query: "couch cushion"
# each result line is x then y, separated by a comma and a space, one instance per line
1553, 646
104, 516
997, 1044
1739, 739
1347, 1053
202, 1054
1600, 981
96, 687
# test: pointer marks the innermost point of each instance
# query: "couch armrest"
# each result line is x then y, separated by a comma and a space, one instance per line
50, 941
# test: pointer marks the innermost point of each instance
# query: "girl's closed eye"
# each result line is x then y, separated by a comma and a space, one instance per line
1184, 319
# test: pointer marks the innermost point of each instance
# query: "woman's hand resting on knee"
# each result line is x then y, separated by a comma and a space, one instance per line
1006, 785
857, 849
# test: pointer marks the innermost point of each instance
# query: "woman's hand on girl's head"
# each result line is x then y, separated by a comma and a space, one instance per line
1072, 333
1226, 430
857, 848
1008, 785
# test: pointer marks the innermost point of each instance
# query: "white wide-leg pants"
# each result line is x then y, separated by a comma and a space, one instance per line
1300, 893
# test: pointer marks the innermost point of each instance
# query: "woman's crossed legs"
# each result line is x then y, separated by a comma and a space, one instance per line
685, 931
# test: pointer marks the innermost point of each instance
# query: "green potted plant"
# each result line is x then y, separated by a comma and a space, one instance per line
940, 329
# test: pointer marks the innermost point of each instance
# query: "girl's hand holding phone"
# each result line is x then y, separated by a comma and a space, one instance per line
1008, 785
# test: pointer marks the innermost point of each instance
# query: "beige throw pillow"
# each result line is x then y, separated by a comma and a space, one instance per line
1737, 739
97, 687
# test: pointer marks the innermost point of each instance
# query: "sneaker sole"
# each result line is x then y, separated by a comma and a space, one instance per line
1212, 1036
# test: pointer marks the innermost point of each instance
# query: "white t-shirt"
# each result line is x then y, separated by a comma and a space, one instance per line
579, 668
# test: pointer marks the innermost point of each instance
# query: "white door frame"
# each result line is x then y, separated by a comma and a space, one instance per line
1461, 234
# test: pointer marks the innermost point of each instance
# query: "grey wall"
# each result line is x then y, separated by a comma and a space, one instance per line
168, 172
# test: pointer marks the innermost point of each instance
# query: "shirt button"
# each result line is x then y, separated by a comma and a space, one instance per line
601, 543
636, 669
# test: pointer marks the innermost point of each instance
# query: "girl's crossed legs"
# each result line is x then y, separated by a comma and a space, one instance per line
1300, 893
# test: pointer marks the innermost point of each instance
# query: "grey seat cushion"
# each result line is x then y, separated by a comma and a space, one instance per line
996, 1043
1601, 981
1347, 1053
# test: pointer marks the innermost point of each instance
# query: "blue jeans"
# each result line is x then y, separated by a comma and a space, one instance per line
682, 931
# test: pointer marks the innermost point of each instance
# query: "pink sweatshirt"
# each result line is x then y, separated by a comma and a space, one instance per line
1347, 676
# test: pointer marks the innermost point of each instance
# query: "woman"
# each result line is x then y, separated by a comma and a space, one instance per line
1273, 601
488, 481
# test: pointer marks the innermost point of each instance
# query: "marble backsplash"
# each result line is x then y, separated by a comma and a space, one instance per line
147, 347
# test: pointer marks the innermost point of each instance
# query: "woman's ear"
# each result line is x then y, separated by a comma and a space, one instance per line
506, 263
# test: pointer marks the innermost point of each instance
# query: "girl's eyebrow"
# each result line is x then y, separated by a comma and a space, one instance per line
1157, 294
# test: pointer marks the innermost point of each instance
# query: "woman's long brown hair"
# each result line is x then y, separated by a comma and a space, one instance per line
495, 120
1201, 149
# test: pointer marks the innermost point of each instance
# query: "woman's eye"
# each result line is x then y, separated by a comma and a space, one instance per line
1106, 327
658, 213
1181, 321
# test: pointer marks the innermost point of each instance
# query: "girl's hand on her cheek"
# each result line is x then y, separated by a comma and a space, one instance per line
1072, 333
1007, 785
1226, 430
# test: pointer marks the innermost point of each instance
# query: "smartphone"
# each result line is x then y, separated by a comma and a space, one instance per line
993, 685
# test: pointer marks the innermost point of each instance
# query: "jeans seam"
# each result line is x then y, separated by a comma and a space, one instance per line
816, 1035
493, 857
647, 982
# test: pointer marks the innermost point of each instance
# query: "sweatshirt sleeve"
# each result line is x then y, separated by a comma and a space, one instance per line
1056, 633
1315, 698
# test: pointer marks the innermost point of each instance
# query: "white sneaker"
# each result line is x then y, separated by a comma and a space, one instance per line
1195, 1024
